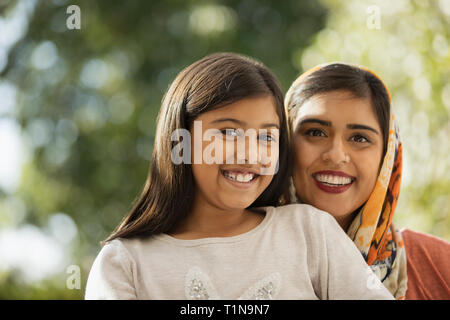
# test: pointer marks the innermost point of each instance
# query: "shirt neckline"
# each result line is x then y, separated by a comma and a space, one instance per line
210, 240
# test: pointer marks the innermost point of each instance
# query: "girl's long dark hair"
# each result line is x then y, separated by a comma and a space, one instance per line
212, 82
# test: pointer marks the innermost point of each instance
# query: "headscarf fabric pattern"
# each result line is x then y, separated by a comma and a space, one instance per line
372, 230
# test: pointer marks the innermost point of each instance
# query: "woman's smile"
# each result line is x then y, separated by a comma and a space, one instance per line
333, 181
338, 152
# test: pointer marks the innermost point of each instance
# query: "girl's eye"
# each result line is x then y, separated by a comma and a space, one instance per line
230, 133
267, 137
315, 133
359, 138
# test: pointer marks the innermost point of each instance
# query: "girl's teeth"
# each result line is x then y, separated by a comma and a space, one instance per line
331, 179
239, 177
230, 175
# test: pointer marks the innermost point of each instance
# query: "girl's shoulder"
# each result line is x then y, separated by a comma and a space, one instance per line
125, 248
114, 249
303, 212
305, 216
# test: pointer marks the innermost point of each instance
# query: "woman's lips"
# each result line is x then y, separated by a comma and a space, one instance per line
333, 181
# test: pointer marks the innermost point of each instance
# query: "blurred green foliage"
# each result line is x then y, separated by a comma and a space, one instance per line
88, 99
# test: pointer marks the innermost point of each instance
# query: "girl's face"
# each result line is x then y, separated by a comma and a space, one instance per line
233, 177
338, 148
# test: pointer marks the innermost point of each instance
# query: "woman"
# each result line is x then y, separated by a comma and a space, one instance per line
348, 161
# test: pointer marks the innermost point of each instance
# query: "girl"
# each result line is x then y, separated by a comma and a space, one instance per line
348, 161
209, 229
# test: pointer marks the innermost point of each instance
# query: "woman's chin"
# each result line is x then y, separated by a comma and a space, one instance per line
335, 210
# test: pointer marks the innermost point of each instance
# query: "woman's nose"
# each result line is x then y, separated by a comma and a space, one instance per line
336, 153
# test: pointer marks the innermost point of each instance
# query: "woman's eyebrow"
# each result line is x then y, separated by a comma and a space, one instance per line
361, 127
313, 120
328, 124
242, 123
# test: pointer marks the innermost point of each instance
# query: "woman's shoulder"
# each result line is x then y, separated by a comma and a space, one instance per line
428, 258
421, 248
421, 242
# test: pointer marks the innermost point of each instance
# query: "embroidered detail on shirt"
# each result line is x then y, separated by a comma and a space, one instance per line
264, 289
198, 286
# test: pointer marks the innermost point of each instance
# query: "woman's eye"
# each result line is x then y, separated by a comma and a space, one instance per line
315, 133
359, 138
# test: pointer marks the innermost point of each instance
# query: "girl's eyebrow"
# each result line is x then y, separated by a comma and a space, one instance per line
328, 124
242, 123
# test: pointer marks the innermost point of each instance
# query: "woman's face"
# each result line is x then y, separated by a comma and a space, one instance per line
338, 149
236, 177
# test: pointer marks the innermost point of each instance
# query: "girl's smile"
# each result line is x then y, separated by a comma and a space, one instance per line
241, 178
236, 182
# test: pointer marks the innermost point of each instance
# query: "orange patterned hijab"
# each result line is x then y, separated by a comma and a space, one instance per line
372, 230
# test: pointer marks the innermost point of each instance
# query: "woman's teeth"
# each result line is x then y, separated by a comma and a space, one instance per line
332, 180
239, 177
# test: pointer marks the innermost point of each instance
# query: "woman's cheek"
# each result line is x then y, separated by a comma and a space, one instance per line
370, 165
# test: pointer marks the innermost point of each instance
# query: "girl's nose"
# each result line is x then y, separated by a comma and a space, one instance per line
247, 148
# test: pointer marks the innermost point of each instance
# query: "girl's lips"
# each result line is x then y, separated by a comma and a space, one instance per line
239, 184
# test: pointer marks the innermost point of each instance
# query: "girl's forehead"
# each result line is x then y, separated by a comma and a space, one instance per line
246, 109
